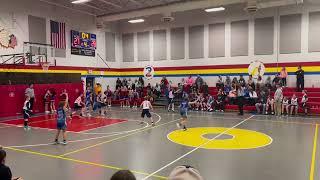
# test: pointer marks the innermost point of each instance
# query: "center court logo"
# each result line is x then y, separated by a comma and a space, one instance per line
148, 72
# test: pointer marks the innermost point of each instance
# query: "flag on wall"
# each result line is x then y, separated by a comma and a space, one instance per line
58, 34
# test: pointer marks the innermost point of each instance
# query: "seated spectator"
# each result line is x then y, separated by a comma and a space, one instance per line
294, 105
259, 83
268, 82
251, 82
205, 89
123, 175
194, 89
275, 81
253, 97
227, 88
185, 173
118, 83
242, 81
125, 82
220, 102
270, 105
285, 106
129, 83
232, 95
199, 82
210, 103
235, 81
220, 84
134, 84
228, 81
5, 172
190, 81
304, 102
157, 90
261, 102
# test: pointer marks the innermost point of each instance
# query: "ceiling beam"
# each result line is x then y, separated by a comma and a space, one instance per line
110, 3
91, 6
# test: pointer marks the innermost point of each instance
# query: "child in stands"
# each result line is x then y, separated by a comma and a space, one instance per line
304, 102
210, 103
294, 104
285, 106
270, 105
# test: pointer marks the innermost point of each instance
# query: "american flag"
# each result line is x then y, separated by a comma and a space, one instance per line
58, 34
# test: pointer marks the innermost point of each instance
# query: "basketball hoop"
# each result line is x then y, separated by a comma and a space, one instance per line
45, 66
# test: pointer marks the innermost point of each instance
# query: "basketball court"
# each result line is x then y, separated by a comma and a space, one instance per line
220, 146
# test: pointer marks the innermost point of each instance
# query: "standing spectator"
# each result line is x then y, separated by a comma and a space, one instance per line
199, 82
300, 79
118, 83
240, 99
219, 83
30, 93
189, 81
125, 82
5, 172
276, 81
164, 83
278, 96
283, 76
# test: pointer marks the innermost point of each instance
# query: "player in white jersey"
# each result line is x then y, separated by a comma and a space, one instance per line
146, 106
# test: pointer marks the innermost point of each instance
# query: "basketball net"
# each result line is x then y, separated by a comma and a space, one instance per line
45, 66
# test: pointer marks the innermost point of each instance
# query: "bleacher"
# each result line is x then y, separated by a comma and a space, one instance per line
313, 95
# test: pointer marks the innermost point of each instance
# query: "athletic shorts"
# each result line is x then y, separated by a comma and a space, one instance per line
304, 105
170, 100
145, 112
26, 114
183, 113
61, 126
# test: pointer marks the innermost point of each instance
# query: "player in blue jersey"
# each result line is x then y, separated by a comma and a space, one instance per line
62, 121
184, 106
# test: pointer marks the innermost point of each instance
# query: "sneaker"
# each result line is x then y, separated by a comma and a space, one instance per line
272, 113
266, 113
179, 125
222, 110
26, 128
64, 142
184, 129
89, 115
56, 142
47, 112
152, 124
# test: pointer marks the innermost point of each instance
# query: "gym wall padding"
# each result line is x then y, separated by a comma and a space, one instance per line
196, 39
143, 39
290, 33
127, 47
314, 29
217, 40
159, 45
20, 78
240, 38
110, 46
263, 36
177, 43
13, 96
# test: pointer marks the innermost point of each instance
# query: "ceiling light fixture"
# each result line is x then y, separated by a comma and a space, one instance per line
79, 1
215, 9
136, 21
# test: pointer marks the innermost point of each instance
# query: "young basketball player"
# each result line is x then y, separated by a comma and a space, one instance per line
46, 100
79, 104
62, 121
26, 112
184, 106
135, 99
146, 106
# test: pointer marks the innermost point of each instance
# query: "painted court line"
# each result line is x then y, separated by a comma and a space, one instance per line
81, 162
115, 139
314, 151
284, 122
193, 150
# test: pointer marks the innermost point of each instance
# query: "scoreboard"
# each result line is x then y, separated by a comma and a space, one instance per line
83, 43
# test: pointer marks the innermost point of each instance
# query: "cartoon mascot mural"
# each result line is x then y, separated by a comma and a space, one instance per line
7, 40
148, 72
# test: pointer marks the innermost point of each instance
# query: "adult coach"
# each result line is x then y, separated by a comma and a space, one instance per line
30, 93
300, 79
5, 172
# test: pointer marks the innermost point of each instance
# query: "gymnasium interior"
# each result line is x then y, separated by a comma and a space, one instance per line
166, 52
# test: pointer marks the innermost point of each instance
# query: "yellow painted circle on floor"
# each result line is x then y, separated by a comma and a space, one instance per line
239, 138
